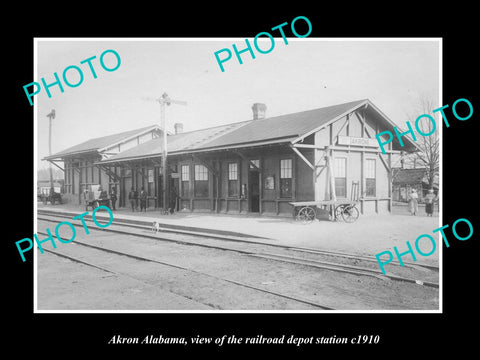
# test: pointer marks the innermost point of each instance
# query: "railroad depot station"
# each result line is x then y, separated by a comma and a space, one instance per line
255, 166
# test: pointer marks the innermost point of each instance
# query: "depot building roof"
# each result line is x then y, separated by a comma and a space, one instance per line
274, 130
96, 145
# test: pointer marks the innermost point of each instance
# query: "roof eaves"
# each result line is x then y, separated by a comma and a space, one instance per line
125, 159
350, 110
60, 156
286, 139
206, 149
393, 124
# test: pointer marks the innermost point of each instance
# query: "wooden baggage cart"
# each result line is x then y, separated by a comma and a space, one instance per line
339, 209
344, 209
94, 197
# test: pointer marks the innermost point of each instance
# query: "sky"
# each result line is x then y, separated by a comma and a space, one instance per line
307, 73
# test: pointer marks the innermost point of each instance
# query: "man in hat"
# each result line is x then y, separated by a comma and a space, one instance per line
113, 197
143, 200
103, 194
132, 198
429, 202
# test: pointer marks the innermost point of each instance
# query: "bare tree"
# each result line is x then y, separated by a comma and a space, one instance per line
428, 156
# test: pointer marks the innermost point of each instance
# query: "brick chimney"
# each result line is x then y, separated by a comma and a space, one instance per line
178, 128
259, 111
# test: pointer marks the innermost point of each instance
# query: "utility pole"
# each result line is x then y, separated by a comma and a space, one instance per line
165, 99
50, 116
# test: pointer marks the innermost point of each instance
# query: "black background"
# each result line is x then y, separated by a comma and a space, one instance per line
60, 335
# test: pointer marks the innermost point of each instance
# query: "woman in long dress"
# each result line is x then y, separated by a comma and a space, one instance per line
413, 203
429, 200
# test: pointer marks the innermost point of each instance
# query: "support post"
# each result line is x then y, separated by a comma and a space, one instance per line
362, 179
390, 180
164, 154
165, 99
333, 195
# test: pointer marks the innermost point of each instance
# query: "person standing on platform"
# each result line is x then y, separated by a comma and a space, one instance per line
173, 200
413, 202
136, 198
143, 200
131, 198
429, 202
113, 197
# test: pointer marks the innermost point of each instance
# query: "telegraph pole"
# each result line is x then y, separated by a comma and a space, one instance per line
165, 99
50, 116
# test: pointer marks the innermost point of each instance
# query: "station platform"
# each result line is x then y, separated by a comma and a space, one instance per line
369, 235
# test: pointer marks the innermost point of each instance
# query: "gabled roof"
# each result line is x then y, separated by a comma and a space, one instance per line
99, 143
289, 128
180, 142
279, 129
409, 176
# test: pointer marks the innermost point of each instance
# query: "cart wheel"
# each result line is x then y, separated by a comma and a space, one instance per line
306, 215
339, 212
350, 214
96, 204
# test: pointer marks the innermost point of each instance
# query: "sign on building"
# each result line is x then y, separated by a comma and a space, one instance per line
357, 141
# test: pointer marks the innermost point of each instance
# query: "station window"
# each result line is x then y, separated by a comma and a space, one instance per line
286, 178
201, 181
370, 177
185, 177
150, 183
233, 183
72, 179
340, 171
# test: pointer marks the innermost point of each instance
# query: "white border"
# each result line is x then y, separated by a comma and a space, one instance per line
35, 283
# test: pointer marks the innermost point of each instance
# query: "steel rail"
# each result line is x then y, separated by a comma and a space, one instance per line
354, 270
141, 258
225, 238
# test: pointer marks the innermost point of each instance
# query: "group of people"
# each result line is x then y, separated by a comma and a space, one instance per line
134, 196
104, 195
429, 202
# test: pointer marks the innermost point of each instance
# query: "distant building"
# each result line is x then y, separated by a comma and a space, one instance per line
43, 186
404, 180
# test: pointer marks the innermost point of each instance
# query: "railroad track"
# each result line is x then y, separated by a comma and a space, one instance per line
176, 266
320, 259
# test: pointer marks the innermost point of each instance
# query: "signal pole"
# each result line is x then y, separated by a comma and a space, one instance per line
165, 99
50, 116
